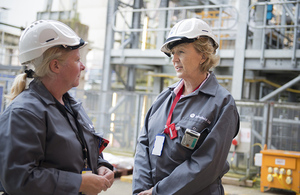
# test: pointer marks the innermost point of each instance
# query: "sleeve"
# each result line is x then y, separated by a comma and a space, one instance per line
142, 179
22, 139
207, 163
103, 162
96, 138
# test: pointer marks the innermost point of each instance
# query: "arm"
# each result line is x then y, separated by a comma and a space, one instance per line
103, 162
142, 179
23, 139
207, 162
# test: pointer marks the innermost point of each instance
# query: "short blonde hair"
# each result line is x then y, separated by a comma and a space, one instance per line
205, 45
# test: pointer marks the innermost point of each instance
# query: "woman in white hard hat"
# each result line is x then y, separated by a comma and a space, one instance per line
48, 143
183, 146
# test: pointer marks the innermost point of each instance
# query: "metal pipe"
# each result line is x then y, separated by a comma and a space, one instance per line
169, 9
280, 89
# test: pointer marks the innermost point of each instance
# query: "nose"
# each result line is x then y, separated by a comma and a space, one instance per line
175, 58
82, 66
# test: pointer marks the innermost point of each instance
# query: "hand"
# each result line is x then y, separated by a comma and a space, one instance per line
93, 184
146, 192
107, 173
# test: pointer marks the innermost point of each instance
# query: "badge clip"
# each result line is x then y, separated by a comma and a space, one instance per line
171, 130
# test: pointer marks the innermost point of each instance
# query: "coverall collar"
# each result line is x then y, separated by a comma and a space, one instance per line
209, 88
47, 97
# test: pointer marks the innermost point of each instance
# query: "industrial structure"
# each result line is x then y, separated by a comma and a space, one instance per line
257, 47
260, 66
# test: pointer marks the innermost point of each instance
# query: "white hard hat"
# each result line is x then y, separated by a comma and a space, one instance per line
188, 30
44, 34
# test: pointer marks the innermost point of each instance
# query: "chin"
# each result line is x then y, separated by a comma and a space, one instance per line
179, 75
76, 84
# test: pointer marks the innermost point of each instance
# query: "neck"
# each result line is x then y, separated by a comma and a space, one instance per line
54, 88
192, 84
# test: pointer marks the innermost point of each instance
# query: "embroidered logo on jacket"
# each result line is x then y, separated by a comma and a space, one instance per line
200, 117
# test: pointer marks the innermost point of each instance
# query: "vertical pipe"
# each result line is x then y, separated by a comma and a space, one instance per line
239, 56
294, 63
104, 101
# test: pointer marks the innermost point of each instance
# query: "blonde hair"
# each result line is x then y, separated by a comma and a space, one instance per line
42, 68
205, 45
18, 86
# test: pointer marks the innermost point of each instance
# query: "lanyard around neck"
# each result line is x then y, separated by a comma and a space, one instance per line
170, 127
78, 132
178, 95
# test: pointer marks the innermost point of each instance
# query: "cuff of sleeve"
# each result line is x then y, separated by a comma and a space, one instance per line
68, 183
155, 189
106, 164
102, 162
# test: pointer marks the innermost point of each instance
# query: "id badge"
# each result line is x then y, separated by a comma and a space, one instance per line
86, 170
190, 139
158, 144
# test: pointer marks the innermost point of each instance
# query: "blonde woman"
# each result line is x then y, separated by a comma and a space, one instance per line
48, 143
184, 143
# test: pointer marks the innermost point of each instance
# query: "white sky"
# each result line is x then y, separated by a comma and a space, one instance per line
22, 13
19, 13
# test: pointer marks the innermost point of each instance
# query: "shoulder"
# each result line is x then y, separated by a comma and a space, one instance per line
26, 103
162, 96
214, 88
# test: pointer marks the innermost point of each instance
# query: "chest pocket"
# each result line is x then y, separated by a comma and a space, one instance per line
196, 125
180, 153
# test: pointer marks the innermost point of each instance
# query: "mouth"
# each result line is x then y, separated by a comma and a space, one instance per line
177, 68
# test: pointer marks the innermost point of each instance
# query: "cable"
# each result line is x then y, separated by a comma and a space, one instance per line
279, 178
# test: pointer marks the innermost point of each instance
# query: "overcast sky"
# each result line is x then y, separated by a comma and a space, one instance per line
19, 13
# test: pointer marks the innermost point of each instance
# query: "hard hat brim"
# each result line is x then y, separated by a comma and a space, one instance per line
164, 47
188, 29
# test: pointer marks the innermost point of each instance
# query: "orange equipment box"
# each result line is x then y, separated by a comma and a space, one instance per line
280, 169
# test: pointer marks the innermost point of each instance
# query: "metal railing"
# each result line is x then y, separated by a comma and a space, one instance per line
221, 18
280, 30
272, 123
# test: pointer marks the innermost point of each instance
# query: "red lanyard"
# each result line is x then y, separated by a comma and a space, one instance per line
173, 105
170, 128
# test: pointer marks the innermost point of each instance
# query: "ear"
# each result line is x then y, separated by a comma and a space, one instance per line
54, 66
203, 59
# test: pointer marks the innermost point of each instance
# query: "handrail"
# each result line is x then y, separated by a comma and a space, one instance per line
264, 26
116, 29
273, 26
